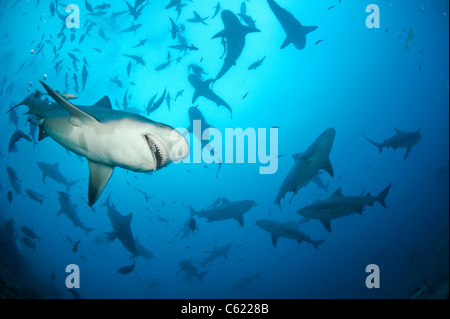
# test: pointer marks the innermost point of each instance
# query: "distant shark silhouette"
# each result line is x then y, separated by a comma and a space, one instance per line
202, 89
308, 164
338, 206
235, 34
399, 140
295, 31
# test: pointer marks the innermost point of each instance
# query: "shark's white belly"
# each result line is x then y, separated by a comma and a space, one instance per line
111, 144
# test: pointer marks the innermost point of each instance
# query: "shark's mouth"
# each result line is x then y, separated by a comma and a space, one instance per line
157, 150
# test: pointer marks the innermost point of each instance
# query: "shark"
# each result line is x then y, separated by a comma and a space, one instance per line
52, 171
195, 115
245, 282
235, 34
338, 206
17, 136
69, 209
288, 230
197, 19
399, 140
14, 180
308, 164
295, 31
202, 89
190, 270
224, 209
121, 227
107, 138
217, 252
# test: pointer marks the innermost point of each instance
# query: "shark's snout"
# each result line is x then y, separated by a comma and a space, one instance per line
180, 147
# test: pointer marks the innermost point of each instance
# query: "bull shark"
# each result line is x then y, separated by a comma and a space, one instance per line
235, 34
308, 164
121, 227
287, 230
14, 180
338, 206
69, 209
107, 138
52, 171
295, 31
190, 270
399, 140
202, 89
216, 253
224, 209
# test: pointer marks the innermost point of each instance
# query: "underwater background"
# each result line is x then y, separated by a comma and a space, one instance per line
357, 80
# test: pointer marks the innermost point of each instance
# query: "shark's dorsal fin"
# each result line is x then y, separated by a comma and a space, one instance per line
104, 102
286, 42
225, 201
221, 34
77, 116
99, 175
326, 223
55, 165
397, 130
328, 167
274, 241
338, 192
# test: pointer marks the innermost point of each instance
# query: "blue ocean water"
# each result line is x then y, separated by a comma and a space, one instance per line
355, 79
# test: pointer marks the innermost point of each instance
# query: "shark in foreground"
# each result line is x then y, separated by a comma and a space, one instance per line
107, 138
287, 230
400, 140
308, 164
223, 209
295, 31
339, 205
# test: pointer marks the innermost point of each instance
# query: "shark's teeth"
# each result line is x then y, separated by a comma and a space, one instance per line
159, 154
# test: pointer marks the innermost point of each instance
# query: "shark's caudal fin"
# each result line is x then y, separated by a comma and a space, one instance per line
379, 145
316, 243
382, 196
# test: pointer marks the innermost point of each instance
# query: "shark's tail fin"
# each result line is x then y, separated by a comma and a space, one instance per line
70, 184
316, 243
200, 276
383, 194
379, 145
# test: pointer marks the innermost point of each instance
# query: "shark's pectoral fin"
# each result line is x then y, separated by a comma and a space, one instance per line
309, 29
274, 241
328, 167
104, 102
196, 96
326, 223
99, 175
286, 42
77, 116
240, 220
42, 133
221, 34
407, 153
